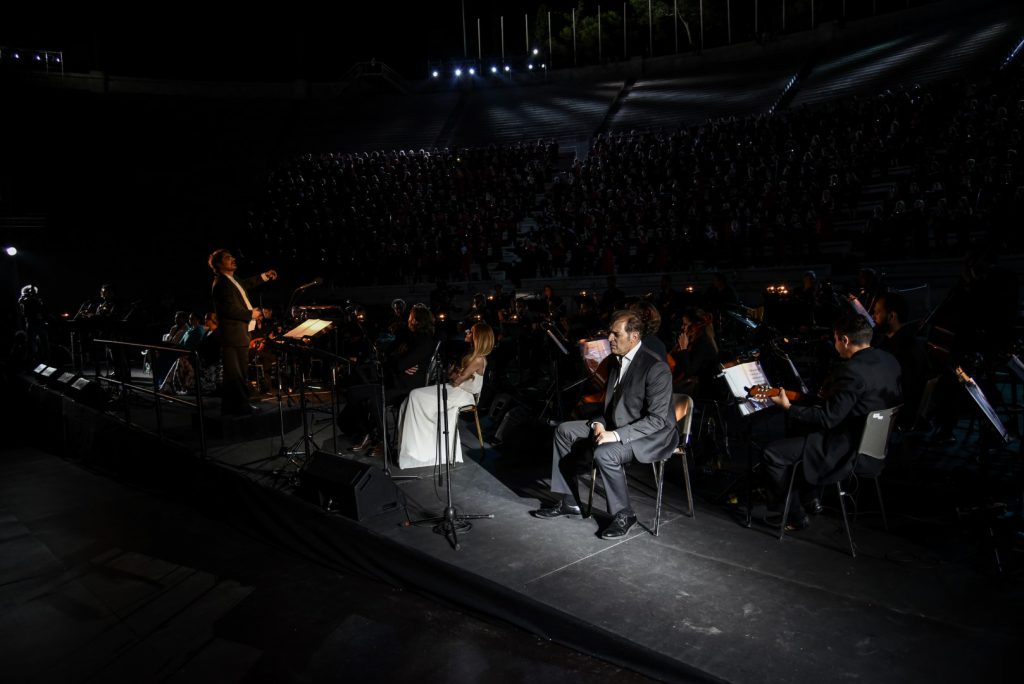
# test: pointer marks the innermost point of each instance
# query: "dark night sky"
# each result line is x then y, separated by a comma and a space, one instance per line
295, 42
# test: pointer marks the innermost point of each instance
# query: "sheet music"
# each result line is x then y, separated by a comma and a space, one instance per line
993, 418
594, 352
739, 378
308, 328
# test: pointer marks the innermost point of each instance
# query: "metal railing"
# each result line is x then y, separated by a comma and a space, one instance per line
123, 380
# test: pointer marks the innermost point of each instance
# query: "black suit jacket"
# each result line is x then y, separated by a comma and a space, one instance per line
868, 381
415, 350
232, 315
640, 408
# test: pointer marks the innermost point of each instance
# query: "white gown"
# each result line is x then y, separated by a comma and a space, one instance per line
417, 422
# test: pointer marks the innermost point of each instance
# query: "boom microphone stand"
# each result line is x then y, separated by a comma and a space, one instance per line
451, 521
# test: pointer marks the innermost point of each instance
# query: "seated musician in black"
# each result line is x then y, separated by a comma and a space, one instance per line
405, 369
694, 359
104, 307
864, 380
892, 334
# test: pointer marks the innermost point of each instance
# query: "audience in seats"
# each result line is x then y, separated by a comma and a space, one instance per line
762, 189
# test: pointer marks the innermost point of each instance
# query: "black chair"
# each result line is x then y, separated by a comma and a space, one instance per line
684, 422
868, 461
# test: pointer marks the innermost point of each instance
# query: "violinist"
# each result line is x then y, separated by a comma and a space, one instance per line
865, 380
651, 319
694, 359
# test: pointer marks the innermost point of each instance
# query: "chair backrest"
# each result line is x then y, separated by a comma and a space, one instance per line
874, 441
683, 405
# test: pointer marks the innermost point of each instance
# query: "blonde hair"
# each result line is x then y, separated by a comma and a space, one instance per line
483, 343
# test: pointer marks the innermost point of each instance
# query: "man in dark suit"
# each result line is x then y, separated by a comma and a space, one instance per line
236, 317
637, 422
865, 380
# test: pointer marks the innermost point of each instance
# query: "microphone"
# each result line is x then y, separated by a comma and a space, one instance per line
314, 283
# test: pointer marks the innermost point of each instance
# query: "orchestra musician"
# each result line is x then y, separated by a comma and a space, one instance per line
694, 359
865, 380
405, 366
637, 421
105, 307
236, 316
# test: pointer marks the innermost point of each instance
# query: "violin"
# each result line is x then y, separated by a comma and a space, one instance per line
598, 383
762, 392
692, 331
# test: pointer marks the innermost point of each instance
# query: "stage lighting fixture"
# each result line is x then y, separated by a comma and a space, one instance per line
472, 71
38, 58
536, 51
11, 250
543, 66
530, 67
458, 72
507, 68
57, 60
435, 73
16, 56
494, 69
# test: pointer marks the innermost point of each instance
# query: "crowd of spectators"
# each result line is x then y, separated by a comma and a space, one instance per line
400, 216
909, 172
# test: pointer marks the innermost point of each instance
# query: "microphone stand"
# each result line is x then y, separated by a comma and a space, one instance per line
451, 521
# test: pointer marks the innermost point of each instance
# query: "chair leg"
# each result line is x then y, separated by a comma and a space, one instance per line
686, 482
593, 485
785, 507
846, 521
659, 479
479, 434
881, 504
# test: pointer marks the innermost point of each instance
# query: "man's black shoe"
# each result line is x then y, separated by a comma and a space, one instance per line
557, 511
619, 526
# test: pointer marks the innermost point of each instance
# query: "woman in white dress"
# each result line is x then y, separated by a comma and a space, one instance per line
418, 416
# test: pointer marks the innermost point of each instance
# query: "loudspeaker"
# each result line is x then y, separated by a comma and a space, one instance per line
518, 416
341, 485
88, 392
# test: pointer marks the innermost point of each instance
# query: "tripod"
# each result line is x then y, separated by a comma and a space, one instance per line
451, 521
297, 459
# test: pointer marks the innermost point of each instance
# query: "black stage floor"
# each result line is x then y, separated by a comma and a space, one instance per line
706, 600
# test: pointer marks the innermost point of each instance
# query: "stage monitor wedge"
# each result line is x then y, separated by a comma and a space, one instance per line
342, 485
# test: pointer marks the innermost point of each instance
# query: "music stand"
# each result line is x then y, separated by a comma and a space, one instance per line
293, 340
982, 402
555, 392
740, 377
309, 328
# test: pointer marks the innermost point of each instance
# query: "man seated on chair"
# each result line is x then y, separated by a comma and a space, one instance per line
864, 380
638, 421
